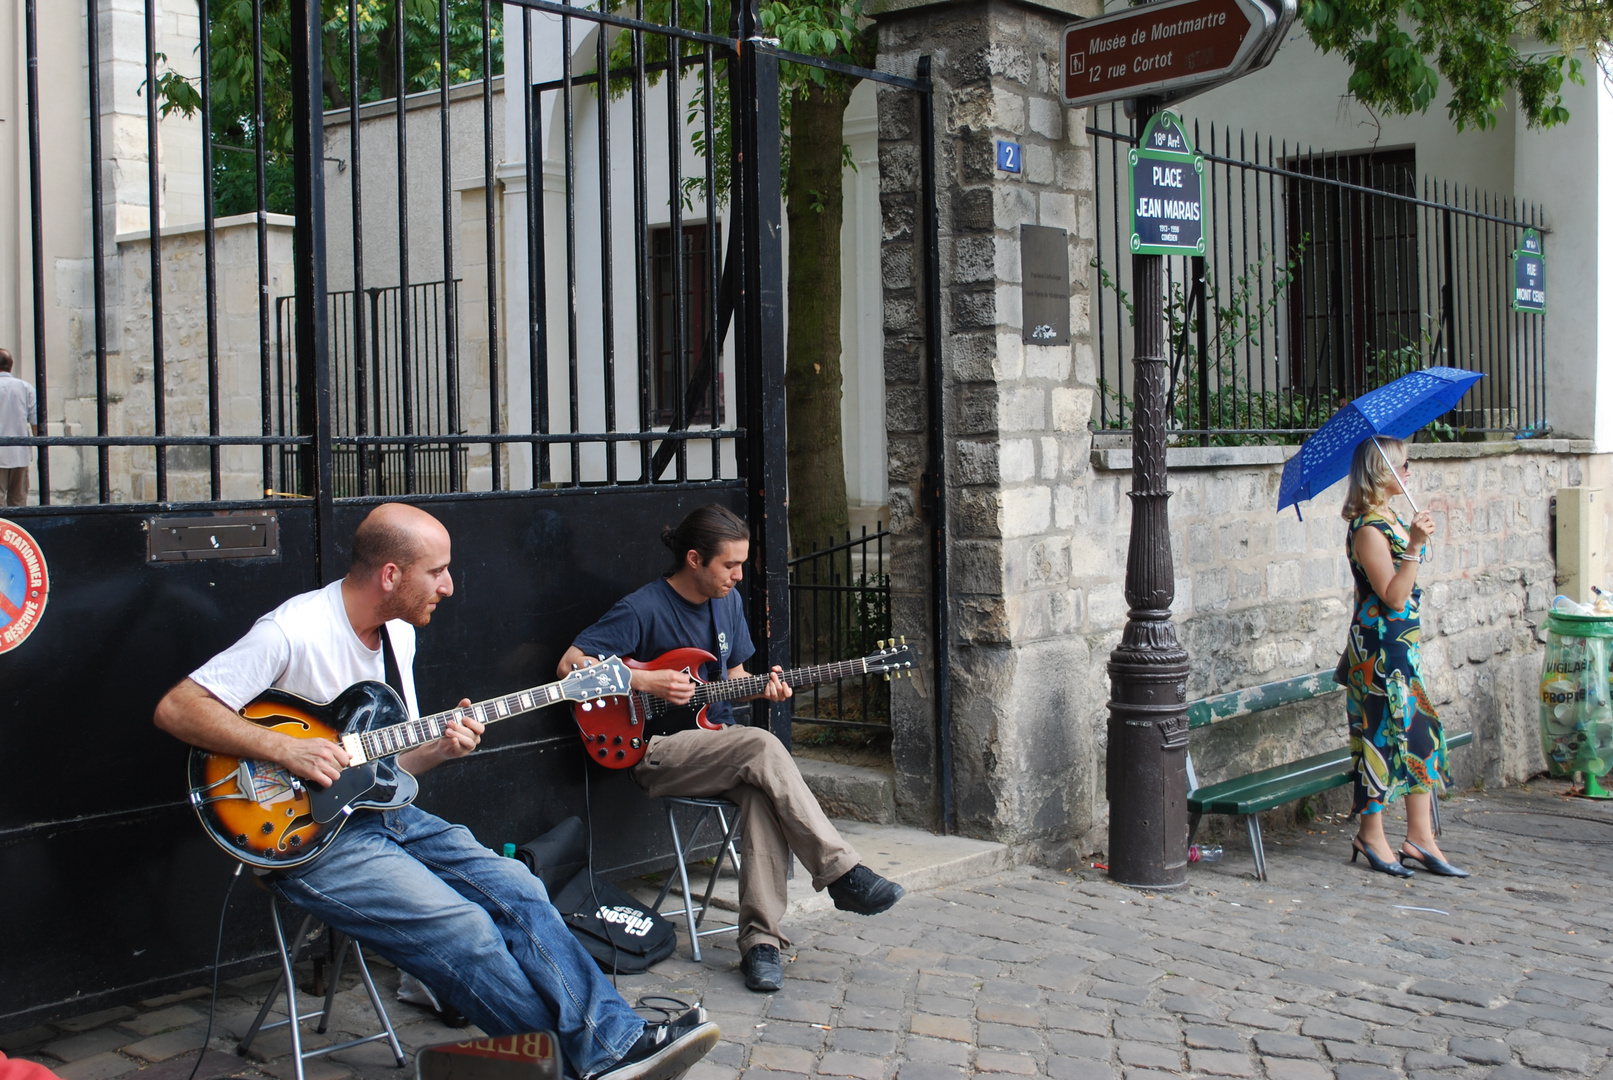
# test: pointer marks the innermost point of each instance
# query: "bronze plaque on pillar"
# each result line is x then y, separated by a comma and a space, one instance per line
1044, 275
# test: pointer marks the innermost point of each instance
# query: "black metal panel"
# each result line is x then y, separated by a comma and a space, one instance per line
95, 837
114, 860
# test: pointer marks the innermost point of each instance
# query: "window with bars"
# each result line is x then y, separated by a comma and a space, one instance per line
1355, 294
667, 377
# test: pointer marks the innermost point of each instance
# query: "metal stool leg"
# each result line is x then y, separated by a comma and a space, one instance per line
287, 980
728, 838
683, 877
294, 1019
683, 847
375, 1001
338, 944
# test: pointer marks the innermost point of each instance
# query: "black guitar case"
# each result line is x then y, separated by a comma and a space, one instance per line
618, 932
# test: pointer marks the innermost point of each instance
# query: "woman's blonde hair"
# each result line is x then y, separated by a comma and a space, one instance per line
1372, 481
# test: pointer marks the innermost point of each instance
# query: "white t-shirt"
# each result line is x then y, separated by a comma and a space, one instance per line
307, 647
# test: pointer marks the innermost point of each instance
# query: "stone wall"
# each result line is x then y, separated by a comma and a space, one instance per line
1016, 415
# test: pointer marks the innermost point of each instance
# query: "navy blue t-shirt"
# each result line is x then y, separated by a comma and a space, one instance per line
655, 619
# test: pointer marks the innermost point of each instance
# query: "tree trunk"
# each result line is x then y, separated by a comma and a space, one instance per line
816, 457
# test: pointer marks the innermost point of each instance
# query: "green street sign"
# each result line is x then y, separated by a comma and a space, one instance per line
1167, 191
1529, 274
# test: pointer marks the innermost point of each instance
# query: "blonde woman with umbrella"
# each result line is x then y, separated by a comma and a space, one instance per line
1396, 739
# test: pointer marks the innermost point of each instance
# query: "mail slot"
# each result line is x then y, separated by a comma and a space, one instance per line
248, 535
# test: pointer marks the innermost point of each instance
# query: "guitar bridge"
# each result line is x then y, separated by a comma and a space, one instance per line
266, 784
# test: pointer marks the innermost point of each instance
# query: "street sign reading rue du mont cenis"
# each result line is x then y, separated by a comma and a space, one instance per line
1166, 48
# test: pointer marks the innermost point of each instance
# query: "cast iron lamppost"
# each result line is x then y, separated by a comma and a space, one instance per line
1145, 770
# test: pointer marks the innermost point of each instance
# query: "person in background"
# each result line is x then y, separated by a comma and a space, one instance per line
19, 417
1396, 740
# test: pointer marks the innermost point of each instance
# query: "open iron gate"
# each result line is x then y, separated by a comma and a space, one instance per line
162, 392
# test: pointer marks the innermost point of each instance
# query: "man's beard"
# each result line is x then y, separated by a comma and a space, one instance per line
412, 607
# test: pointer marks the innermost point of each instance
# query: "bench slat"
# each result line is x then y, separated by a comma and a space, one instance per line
1206, 711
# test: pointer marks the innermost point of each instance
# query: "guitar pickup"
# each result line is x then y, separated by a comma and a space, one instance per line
355, 750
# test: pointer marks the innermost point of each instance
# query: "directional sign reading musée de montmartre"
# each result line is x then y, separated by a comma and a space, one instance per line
1166, 47
1167, 191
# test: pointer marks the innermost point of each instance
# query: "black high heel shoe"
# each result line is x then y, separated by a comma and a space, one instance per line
1431, 863
1390, 867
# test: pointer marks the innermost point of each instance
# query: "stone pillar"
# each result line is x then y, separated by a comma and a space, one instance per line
1015, 418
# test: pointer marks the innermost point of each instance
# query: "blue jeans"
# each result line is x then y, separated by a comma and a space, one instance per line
476, 928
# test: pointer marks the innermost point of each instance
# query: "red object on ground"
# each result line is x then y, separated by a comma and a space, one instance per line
15, 1069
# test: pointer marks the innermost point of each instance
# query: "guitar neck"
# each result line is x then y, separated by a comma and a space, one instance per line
382, 742
752, 685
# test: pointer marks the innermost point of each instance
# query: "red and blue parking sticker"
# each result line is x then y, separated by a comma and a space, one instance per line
24, 585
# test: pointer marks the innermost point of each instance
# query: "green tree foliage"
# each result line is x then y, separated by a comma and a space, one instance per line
1399, 50
376, 78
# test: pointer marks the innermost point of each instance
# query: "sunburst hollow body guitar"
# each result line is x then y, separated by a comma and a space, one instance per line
266, 816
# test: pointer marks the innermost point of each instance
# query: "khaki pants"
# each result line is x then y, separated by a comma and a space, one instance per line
778, 814
14, 486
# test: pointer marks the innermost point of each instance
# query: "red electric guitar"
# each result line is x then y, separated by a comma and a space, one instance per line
617, 729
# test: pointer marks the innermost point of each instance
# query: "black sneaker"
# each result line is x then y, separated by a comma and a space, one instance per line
864, 892
763, 969
667, 1050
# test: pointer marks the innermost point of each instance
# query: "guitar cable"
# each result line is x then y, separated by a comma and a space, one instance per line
218, 954
588, 810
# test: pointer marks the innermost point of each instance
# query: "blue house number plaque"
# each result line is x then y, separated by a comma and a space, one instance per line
1008, 156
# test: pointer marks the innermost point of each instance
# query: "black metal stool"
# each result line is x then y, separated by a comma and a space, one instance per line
727, 814
288, 980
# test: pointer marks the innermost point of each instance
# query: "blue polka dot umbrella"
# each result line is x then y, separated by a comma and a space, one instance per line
1396, 411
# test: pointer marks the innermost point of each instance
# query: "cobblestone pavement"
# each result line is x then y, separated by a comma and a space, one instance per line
1326, 971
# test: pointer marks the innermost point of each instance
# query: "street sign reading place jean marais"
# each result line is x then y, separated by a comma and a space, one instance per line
1165, 48
1167, 191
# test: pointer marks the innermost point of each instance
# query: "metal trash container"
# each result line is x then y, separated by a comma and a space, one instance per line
1576, 708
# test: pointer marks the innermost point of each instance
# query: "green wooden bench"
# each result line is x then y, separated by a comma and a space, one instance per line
1251, 795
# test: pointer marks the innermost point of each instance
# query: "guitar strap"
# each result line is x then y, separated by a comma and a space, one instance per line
389, 663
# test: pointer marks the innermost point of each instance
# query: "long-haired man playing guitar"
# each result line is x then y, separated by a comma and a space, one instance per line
696, 606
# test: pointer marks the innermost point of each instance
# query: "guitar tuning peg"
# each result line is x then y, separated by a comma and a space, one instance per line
903, 639
587, 706
887, 677
880, 644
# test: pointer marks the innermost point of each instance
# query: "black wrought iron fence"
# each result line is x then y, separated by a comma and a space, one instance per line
1327, 274
840, 609
391, 373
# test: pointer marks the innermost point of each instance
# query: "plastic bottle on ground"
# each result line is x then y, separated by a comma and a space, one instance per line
1204, 853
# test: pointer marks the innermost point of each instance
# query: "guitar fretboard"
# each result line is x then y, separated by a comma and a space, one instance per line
752, 685
411, 733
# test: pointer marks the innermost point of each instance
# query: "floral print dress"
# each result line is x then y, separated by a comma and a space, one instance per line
1396, 740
